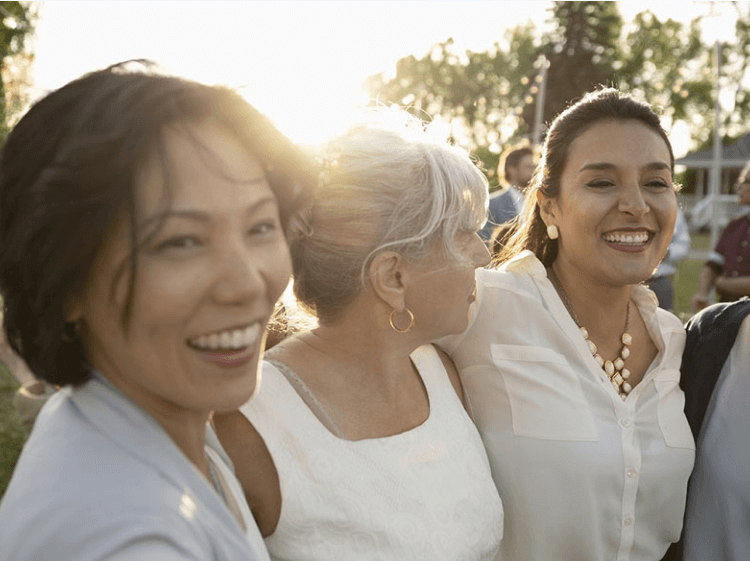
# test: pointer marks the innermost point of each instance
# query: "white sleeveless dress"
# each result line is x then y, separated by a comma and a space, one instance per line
425, 494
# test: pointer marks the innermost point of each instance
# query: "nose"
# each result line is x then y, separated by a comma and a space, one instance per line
479, 252
238, 278
632, 200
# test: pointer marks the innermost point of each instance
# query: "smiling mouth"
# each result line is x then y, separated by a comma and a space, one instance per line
231, 340
633, 239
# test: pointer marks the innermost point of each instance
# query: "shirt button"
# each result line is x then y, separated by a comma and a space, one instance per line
628, 521
744, 243
631, 473
739, 258
625, 423
735, 273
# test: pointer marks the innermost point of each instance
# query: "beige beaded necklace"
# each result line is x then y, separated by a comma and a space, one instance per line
615, 370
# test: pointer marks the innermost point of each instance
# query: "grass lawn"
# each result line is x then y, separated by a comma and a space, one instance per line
12, 433
686, 278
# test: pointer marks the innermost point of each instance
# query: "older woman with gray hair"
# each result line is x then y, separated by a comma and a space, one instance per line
359, 444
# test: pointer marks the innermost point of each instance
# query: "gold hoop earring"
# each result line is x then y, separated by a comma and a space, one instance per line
396, 329
552, 232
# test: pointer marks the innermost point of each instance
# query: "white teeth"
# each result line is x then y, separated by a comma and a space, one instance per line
226, 340
230, 340
633, 239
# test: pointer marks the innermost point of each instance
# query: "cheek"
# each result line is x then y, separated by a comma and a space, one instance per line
277, 266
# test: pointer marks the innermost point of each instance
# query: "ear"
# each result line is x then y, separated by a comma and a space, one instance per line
388, 275
547, 209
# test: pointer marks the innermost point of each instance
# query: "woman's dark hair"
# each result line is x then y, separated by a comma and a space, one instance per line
601, 105
68, 173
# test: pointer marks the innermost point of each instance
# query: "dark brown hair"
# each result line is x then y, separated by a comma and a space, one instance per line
68, 172
600, 105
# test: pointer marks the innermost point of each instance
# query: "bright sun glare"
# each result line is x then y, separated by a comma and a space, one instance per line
301, 63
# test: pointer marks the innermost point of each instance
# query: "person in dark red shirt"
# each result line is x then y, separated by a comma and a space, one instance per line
728, 266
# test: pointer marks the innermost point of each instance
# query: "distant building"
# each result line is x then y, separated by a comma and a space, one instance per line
698, 209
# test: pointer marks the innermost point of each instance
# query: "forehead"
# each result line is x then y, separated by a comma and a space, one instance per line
197, 164
623, 143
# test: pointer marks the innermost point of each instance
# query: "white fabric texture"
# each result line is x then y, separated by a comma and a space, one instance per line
425, 494
584, 475
100, 479
679, 247
717, 522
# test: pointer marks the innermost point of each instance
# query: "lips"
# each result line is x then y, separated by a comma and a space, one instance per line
230, 347
628, 240
227, 340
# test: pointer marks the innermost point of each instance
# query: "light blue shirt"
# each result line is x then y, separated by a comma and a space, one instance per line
100, 479
717, 521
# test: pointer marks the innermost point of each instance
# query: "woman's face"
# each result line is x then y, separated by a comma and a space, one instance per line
617, 204
206, 282
441, 290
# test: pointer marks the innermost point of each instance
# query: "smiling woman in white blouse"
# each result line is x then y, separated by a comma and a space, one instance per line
570, 368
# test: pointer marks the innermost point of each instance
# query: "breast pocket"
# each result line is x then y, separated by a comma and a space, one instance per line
545, 395
671, 410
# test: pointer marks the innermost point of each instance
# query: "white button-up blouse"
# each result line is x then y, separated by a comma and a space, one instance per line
583, 474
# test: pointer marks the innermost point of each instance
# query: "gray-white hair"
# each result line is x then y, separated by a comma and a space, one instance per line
389, 183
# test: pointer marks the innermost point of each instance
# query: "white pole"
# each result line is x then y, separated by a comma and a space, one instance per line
715, 184
539, 109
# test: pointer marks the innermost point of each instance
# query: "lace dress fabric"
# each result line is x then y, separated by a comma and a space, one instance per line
426, 493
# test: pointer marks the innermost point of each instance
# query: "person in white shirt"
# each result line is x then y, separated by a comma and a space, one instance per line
142, 250
660, 282
570, 368
358, 445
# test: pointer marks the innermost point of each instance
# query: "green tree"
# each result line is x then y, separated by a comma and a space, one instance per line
475, 92
489, 98
17, 20
582, 49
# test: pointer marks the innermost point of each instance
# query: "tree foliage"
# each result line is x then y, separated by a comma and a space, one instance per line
489, 98
17, 20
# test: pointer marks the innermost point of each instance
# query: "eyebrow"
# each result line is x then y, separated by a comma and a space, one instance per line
598, 166
196, 215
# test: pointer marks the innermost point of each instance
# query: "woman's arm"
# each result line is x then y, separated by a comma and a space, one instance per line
253, 467
706, 281
736, 286
455, 379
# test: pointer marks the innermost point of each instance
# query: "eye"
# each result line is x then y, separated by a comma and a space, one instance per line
264, 228
600, 184
657, 184
178, 242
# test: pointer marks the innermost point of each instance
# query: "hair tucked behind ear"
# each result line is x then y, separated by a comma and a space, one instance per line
388, 184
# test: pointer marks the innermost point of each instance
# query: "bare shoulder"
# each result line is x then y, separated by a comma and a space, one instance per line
254, 467
453, 376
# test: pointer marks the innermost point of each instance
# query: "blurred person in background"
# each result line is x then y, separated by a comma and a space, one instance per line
514, 170
661, 282
727, 269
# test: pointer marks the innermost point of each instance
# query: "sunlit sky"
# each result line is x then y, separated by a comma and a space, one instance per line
302, 63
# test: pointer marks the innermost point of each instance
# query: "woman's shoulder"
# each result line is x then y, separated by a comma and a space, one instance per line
89, 505
516, 276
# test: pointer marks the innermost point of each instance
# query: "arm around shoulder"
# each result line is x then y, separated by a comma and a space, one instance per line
254, 468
